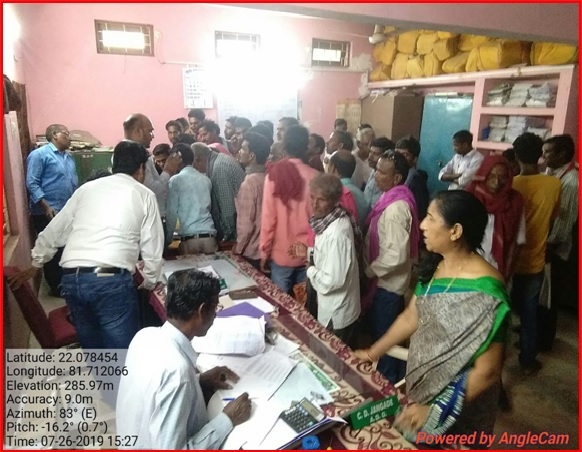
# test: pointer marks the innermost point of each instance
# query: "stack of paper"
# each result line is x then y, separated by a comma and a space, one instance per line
499, 95
542, 96
233, 335
260, 376
497, 126
541, 132
515, 127
519, 95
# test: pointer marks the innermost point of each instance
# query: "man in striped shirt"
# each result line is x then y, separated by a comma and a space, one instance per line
558, 154
226, 176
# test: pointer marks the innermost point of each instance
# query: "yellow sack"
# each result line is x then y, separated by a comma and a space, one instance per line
432, 65
399, 67
469, 42
446, 34
473, 62
377, 52
415, 67
407, 41
425, 42
456, 63
498, 54
445, 48
380, 72
549, 53
385, 52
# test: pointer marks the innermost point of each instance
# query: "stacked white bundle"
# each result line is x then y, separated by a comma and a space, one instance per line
499, 95
543, 96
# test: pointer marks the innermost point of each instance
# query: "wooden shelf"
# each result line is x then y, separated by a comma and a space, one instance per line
561, 119
515, 74
495, 145
518, 111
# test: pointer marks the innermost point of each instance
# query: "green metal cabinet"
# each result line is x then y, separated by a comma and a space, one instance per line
89, 161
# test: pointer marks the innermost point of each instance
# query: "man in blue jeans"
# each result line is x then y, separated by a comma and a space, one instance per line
51, 180
103, 228
391, 246
541, 194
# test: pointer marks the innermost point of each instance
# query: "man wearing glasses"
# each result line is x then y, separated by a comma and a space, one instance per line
51, 179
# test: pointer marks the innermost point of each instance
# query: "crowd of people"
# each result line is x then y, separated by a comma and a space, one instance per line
348, 221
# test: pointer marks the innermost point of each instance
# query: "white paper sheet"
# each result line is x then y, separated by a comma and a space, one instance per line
285, 346
263, 416
301, 383
260, 376
278, 435
170, 266
233, 335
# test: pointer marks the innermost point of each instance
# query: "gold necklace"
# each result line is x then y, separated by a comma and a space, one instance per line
450, 282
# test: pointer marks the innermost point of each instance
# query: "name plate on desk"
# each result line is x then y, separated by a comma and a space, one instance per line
373, 412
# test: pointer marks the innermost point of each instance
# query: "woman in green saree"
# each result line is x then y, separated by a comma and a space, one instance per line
456, 323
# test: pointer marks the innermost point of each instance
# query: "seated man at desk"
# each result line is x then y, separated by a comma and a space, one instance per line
160, 400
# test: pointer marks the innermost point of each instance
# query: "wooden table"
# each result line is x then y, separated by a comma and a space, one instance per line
357, 380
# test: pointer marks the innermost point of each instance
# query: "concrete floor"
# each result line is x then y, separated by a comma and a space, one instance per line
546, 402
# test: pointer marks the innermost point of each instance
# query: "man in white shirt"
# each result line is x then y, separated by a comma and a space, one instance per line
160, 404
364, 139
391, 247
558, 154
104, 227
459, 171
334, 270
138, 127
343, 140
377, 148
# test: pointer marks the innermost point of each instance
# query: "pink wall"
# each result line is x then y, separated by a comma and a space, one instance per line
68, 82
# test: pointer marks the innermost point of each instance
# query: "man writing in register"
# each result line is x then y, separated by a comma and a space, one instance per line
160, 400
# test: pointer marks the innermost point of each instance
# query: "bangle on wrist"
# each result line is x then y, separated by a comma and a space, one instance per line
369, 357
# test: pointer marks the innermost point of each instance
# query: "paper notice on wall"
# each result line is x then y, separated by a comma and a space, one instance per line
351, 111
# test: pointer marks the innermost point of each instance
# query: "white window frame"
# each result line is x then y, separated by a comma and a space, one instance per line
328, 53
146, 30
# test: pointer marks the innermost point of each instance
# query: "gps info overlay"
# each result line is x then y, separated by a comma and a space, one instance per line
62, 398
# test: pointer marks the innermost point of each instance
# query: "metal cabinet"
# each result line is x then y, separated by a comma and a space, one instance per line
89, 161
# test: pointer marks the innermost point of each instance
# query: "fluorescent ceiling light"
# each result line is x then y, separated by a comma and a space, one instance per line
327, 55
123, 39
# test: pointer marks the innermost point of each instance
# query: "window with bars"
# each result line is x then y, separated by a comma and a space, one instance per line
6, 229
229, 44
122, 38
330, 53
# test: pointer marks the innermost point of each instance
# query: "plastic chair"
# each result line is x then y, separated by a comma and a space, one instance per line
52, 331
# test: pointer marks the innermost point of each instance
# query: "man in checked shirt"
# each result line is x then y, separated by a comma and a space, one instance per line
226, 175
